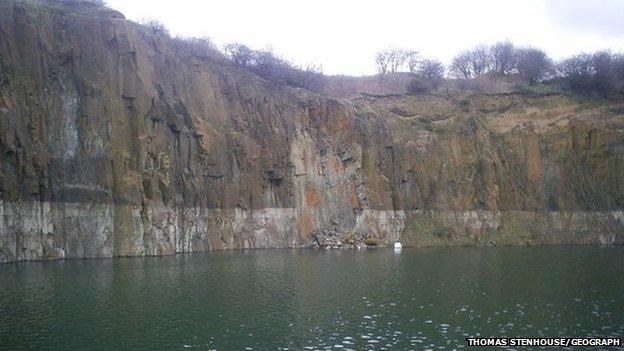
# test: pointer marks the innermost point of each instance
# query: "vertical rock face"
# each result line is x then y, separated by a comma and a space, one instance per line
115, 141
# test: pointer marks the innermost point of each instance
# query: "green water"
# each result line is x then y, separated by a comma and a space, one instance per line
302, 299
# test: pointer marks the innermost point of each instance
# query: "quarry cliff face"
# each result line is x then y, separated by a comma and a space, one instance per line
116, 142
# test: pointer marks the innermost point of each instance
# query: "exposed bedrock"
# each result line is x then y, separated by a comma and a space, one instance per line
117, 142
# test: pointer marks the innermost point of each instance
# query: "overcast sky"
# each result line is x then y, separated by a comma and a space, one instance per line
343, 35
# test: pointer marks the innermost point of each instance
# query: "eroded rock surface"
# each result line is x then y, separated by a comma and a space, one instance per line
116, 142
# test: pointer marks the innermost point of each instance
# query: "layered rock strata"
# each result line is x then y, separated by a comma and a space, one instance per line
116, 141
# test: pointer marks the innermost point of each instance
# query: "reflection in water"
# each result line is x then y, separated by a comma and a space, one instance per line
302, 299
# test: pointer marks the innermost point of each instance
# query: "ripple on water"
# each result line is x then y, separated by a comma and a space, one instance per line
293, 300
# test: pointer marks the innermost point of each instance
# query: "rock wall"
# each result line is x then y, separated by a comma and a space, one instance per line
117, 141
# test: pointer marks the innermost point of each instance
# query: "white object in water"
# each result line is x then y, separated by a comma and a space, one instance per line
397, 246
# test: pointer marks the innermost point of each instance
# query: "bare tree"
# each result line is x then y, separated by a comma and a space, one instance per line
533, 64
618, 62
430, 69
397, 59
240, 54
382, 61
413, 59
605, 76
201, 48
601, 72
461, 65
155, 26
313, 78
428, 76
504, 58
480, 60
578, 65
618, 70
267, 63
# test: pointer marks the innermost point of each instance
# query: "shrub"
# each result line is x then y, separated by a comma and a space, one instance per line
533, 65
484, 84
270, 66
201, 48
430, 69
420, 85
240, 54
155, 26
601, 72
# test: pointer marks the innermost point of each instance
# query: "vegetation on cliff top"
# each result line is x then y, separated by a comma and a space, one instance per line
498, 68
482, 68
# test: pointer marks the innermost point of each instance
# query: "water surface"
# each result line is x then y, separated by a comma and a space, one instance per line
302, 299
